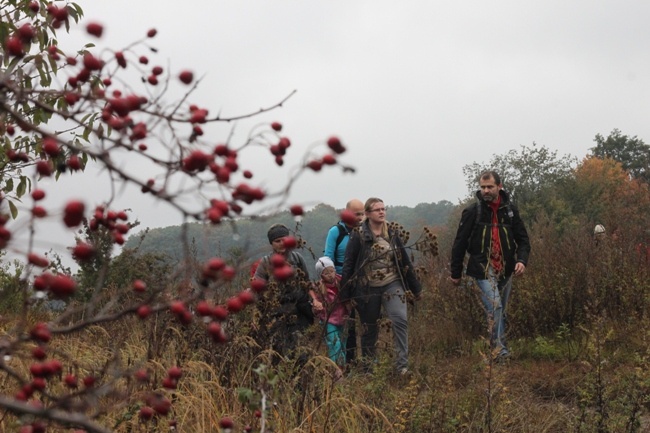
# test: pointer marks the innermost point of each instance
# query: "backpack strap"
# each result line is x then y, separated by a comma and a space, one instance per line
509, 212
343, 232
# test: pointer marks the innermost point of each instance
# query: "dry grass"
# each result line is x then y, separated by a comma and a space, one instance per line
545, 388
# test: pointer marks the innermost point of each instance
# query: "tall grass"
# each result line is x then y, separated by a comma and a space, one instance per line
578, 326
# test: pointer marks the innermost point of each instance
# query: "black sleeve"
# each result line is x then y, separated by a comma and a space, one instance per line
461, 242
349, 265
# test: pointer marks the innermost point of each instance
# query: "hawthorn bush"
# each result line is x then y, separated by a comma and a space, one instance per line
64, 109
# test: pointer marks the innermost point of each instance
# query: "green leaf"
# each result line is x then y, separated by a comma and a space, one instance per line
9, 185
13, 209
22, 187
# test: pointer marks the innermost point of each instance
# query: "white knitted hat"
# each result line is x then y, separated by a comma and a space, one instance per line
322, 264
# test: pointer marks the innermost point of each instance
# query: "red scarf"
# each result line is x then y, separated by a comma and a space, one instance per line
496, 257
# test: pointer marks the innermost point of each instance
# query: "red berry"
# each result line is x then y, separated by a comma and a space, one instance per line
157, 70
329, 159
349, 218
220, 313
39, 211
221, 150
139, 286
234, 304
335, 144
73, 213
44, 168
258, 286
276, 126
146, 413
169, 383
89, 381
37, 260
289, 242
228, 273
62, 285
204, 308
14, 46
141, 375
39, 353
186, 77
51, 146
95, 29
73, 163
277, 260
177, 307
26, 32
246, 297
119, 56
296, 210
34, 6
39, 383
71, 381
151, 33
226, 422
42, 282
162, 405
143, 311
41, 332
83, 251
175, 372
143, 59
92, 63
315, 165
38, 194
283, 273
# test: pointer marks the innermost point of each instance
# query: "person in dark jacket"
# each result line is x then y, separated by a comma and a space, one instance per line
495, 238
285, 308
377, 271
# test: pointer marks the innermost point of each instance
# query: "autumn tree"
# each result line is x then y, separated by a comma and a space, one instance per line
631, 152
604, 192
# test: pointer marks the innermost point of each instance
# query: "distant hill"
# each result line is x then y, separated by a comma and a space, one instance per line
246, 237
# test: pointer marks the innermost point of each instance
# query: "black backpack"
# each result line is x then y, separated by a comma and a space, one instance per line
510, 214
343, 232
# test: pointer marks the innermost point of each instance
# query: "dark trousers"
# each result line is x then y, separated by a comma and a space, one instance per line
351, 342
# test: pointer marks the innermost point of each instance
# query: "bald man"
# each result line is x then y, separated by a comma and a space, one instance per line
335, 245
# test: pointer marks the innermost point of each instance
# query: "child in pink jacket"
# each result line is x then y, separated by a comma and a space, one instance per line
330, 310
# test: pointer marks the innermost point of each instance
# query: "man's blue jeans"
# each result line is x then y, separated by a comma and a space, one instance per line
494, 295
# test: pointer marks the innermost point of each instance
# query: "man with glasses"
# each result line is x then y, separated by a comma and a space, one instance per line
492, 233
335, 245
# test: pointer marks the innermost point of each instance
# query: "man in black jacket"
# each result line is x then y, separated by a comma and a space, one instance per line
494, 236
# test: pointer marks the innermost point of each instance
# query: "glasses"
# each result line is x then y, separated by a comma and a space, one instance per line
379, 209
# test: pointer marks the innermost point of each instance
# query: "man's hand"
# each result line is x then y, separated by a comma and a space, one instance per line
520, 268
455, 281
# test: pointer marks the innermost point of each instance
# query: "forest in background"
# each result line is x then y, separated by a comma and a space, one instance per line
246, 238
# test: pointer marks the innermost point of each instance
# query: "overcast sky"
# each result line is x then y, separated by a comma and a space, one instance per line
416, 90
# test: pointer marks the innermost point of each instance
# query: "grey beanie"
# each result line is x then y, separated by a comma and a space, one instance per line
322, 264
277, 231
